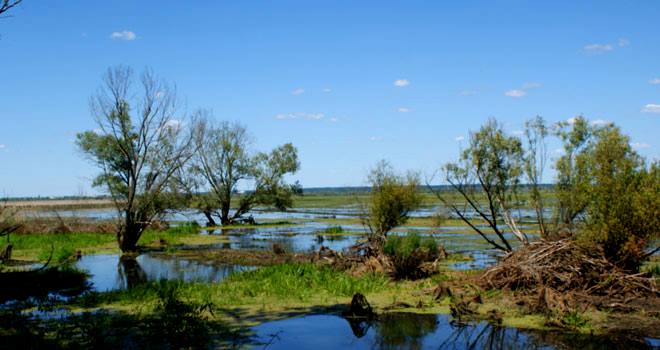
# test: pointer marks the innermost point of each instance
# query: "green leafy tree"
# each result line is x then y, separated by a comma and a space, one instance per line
391, 200
623, 210
573, 179
223, 162
487, 177
139, 145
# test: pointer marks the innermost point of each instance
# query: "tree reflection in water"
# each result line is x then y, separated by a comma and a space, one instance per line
131, 274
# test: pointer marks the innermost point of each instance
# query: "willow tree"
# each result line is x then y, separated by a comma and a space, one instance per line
486, 178
139, 144
224, 162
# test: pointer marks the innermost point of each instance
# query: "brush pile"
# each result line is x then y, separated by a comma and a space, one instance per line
563, 274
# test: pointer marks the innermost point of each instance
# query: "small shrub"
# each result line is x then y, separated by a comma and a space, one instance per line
408, 252
334, 230
574, 320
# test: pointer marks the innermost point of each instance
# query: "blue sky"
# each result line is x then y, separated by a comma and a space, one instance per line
347, 82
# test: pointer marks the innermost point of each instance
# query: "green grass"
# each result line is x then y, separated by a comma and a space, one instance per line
404, 246
39, 246
334, 230
275, 285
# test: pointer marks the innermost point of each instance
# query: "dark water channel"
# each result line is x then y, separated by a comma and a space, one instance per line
422, 331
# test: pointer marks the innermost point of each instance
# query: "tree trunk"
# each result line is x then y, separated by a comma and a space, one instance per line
128, 237
209, 219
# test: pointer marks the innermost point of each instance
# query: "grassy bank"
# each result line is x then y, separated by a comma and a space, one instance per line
38, 247
281, 291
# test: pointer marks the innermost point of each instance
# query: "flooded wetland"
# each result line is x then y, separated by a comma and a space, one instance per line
220, 266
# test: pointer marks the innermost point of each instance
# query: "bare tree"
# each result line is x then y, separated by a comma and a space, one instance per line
536, 155
139, 145
6, 5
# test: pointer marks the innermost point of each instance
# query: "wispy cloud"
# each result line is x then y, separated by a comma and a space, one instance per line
2, 146
459, 138
599, 122
607, 47
598, 48
298, 91
326, 90
515, 93
655, 81
401, 82
640, 145
403, 110
301, 115
522, 92
123, 35
467, 92
651, 108
333, 120
375, 138
518, 132
571, 120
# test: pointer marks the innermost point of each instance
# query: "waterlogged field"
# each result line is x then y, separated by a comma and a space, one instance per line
228, 286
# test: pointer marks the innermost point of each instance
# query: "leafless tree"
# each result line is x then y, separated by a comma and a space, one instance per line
140, 143
6, 5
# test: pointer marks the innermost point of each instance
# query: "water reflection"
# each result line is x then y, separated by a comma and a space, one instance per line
417, 331
110, 272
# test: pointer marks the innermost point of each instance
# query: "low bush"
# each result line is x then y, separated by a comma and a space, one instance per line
407, 254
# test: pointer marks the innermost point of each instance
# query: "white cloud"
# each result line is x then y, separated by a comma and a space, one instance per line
651, 108
401, 82
459, 138
516, 93
300, 115
333, 120
599, 122
375, 138
623, 42
598, 48
518, 132
174, 123
403, 110
571, 121
326, 90
655, 81
298, 92
2, 146
123, 35
640, 145
468, 92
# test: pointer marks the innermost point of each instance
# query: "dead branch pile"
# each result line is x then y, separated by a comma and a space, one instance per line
362, 258
562, 272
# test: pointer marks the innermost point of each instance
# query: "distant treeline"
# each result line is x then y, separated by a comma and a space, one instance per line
309, 190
